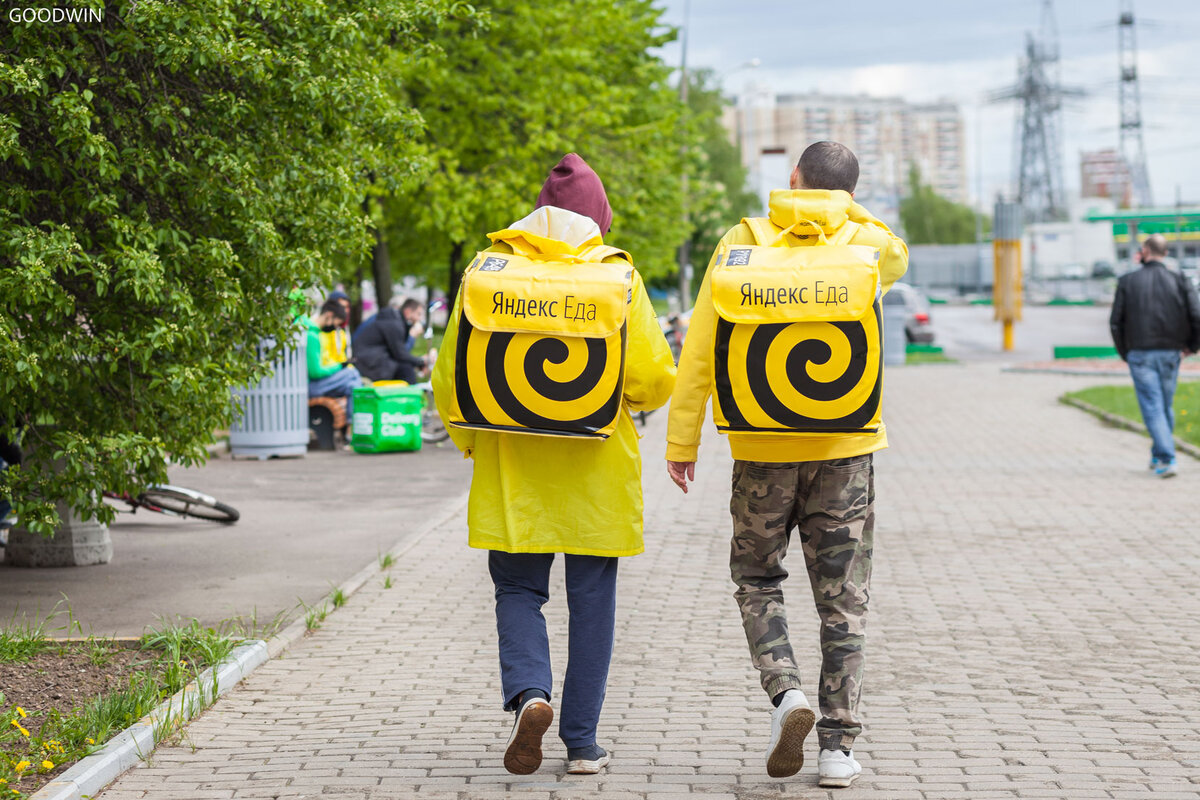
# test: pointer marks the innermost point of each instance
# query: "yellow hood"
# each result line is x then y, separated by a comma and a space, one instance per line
802, 211
550, 230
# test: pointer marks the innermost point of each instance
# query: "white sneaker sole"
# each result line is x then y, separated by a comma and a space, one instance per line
583, 767
837, 783
787, 757
524, 753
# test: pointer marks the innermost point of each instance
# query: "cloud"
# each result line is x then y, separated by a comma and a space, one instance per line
923, 52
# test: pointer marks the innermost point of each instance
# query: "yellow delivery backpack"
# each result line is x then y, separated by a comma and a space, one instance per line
541, 342
799, 335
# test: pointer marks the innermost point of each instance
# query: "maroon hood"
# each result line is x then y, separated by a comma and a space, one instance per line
575, 186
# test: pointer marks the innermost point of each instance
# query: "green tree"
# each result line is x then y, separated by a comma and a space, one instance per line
929, 218
503, 105
168, 174
717, 193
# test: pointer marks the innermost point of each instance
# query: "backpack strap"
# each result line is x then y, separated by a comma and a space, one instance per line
846, 232
766, 233
600, 252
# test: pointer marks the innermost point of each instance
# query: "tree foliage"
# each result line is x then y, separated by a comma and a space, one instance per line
717, 193
929, 218
166, 175
502, 105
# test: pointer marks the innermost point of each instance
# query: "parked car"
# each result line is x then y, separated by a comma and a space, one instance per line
918, 325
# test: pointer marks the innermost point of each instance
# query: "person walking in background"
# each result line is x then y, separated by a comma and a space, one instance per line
528, 359
328, 377
785, 335
1155, 315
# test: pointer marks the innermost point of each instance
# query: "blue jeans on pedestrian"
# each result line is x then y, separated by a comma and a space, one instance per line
1154, 375
340, 384
522, 583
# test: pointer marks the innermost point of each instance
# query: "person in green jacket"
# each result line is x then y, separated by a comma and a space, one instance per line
330, 378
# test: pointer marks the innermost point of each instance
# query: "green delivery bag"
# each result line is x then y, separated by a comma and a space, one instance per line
387, 418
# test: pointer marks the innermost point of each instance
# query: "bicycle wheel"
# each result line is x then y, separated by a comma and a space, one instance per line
187, 503
432, 429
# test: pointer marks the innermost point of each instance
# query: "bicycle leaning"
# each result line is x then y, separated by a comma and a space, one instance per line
176, 501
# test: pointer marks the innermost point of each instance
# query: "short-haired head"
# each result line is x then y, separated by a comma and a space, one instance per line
1155, 245
828, 165
335, 308
411, 304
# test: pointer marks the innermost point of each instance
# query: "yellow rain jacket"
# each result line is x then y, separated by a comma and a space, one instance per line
799, 210
541, 494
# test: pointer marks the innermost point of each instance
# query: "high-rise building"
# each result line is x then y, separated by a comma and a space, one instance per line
886, 133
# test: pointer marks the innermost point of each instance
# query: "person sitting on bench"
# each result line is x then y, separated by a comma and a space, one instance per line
328, 378
382, 351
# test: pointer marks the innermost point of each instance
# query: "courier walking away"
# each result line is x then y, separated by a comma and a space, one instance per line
786, 337
554, 343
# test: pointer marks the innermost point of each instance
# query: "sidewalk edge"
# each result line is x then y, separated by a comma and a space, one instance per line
90, 775
1121, 422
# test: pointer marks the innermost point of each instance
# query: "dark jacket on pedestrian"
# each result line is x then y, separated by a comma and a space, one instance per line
381, 353
1155, 309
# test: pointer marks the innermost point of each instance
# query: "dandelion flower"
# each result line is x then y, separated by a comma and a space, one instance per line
23, 731
21, 711
47, 765
91, 741
21, 766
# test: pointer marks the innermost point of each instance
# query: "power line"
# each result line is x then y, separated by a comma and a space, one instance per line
1130, 143
1041, 93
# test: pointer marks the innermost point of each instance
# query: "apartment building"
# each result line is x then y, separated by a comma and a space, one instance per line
886, 133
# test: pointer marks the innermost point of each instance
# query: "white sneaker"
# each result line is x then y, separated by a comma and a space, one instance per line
790, 723
836, 769
1166, 469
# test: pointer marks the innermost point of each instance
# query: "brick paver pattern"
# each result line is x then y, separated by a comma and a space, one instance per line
1034, 634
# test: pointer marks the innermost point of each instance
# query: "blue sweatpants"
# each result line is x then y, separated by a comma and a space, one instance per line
522, 587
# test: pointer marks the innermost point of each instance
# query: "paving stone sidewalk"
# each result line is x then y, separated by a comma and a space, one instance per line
1034, 634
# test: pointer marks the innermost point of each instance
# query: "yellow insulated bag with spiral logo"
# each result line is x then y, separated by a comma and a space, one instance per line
541, 343
799, 335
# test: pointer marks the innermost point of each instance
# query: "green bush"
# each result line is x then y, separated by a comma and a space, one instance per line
168, 174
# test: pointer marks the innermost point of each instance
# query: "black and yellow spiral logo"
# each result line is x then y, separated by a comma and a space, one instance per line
537, 383
800, 376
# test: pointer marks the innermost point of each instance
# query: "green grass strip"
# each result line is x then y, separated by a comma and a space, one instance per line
1122, 401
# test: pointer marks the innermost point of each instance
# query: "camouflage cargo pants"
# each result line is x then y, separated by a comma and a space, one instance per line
832, 504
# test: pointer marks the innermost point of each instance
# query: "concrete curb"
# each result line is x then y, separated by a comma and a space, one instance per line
1121, 422
92, 774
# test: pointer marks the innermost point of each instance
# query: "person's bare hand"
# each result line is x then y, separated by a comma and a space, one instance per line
681, 472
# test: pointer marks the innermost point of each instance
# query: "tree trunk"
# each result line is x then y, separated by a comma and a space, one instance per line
455, 270
381, 271
356, 301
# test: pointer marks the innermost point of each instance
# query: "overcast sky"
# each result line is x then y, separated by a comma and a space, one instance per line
923, 50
